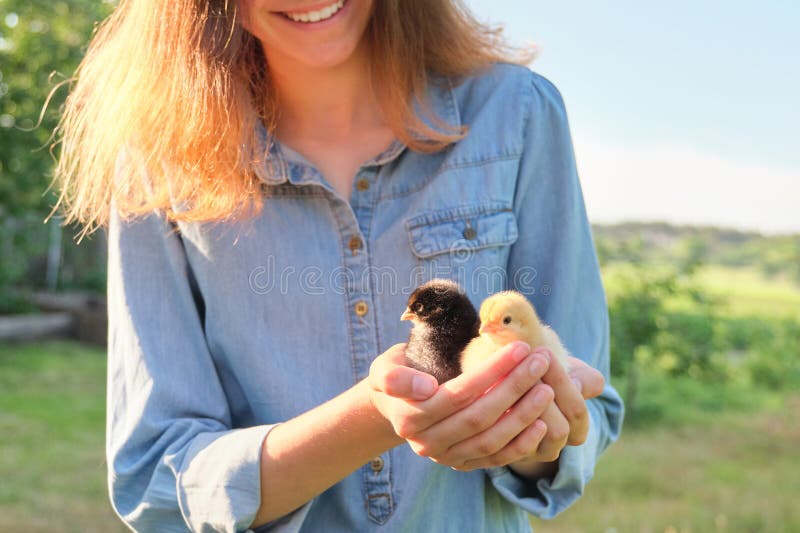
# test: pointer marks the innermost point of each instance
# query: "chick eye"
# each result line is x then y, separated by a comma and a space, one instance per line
417, 307
507, 320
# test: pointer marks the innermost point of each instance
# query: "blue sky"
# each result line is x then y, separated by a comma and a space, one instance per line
681, 111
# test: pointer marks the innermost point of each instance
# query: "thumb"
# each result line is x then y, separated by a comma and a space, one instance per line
389, 375
588, 379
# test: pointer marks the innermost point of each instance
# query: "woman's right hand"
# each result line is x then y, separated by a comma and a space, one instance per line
476, 420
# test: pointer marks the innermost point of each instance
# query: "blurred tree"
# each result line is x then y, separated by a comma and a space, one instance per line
41, 44
777, 256
636, 314
775, 363
660, 315
693, 253
605, 250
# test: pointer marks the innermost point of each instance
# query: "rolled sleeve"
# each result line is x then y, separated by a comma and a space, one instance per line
175, 462
554, 263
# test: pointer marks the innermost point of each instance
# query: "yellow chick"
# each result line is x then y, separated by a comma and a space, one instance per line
506, 317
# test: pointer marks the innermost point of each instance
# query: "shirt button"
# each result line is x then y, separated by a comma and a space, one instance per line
361, 308
376, 464
470, 233
355, 244
362, 185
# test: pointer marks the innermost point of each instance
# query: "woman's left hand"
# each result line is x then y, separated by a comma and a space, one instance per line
567, 417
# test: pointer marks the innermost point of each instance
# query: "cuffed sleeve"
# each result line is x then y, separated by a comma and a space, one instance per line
554, 263
175, 463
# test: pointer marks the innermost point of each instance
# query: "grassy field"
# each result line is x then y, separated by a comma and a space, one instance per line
741, 291
52, 424
732, 472
721, 465
746, 291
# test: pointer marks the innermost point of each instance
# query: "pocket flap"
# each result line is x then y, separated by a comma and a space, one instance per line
468, 227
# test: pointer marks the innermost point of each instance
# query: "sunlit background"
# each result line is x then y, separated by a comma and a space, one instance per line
685, 121
682, 111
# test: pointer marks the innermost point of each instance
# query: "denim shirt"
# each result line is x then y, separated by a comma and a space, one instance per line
220, 331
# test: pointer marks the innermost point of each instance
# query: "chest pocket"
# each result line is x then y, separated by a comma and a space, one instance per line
467, 243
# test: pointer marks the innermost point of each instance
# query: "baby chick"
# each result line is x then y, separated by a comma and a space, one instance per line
505, 317
444, 321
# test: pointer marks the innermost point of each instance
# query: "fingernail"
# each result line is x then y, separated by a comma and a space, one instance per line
544, 352
520, 351
422, 386
537, 366
577, 383
541, 396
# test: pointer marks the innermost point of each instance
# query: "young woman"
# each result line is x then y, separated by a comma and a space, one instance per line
276, 177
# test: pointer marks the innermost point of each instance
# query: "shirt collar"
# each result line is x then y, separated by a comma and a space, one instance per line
282, 164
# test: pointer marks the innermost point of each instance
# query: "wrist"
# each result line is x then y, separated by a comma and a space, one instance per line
383, 429
533, 469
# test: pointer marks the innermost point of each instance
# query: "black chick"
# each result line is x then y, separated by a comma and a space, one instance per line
444, 322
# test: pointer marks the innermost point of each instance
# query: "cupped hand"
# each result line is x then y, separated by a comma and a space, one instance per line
550, 416
487, 417
567, 419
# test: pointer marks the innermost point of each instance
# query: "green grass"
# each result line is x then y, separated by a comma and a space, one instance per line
52, 423
728, 472
748, 291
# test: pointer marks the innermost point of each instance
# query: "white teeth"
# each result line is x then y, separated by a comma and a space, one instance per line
316, 16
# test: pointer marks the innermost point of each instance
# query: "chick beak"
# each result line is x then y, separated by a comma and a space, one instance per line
408, 315
488, 327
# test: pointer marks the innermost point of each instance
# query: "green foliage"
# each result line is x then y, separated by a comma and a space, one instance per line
658, 242
687, 342
646, 330
775, 362
738, 334
715, 326
670, 401
41, 43
635, 310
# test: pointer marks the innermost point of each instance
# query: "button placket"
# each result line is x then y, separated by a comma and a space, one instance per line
378, 489
376, 474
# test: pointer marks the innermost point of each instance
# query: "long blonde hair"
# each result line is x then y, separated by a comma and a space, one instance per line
180, 85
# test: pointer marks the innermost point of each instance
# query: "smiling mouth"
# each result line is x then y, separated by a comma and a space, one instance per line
310, 17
